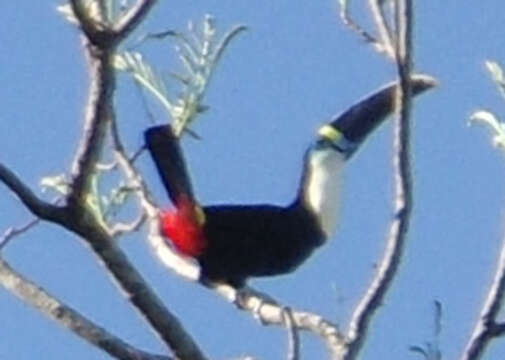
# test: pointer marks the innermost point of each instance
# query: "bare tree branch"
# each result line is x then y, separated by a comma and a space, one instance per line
99, 111
119, 229
12, 232
133, 18
151, 211
269, 312
166, 325
383, 44
385, 33
141, 296
348, 21
37, 206
68, 317
294, 339
182, 266
373, 298
75, 216
487, 326
100, 46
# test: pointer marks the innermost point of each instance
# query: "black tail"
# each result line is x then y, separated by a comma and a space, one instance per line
164, 148
362, 118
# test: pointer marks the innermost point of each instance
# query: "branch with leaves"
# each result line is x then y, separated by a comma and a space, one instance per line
102, 31
200, 56
90, 214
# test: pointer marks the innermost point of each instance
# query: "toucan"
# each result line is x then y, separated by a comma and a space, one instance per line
232, 243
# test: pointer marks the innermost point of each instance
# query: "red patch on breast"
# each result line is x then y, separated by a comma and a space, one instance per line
182, 228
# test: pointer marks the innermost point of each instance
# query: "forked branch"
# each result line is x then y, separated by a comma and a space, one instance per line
99, 43
388, 266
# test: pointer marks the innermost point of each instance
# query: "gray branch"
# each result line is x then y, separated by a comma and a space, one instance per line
80, 221
68, 317
133, 18
99, 111
388, 267
294, 338
89, 26
487, 327
384, 30
13, 232
37, 206
99, 45
269, 312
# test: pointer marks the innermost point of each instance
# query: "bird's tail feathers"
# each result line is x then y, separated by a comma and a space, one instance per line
167, 155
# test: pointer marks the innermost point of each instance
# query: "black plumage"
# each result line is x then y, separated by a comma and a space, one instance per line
257, 240
243, 241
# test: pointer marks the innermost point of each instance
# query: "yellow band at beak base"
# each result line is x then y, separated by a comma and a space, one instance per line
330, 133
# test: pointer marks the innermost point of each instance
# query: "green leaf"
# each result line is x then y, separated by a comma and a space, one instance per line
199, 53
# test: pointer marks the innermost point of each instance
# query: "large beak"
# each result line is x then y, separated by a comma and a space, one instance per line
349, 129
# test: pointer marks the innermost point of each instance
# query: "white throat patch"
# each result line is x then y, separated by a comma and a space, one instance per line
323, 186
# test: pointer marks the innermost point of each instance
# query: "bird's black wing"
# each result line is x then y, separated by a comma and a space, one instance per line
256, 240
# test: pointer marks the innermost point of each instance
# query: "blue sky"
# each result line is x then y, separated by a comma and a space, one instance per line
293, 70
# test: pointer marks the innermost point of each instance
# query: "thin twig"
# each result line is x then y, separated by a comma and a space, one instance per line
133, 18
12, 232
68, 317
113, 165
293, 337
383, 44
384, 30
346, 18
181, 265
119, 229
151, 211
269, 312
371, 301
37, 206
487, 327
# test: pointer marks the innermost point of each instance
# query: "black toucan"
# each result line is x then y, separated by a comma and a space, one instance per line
234, 242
